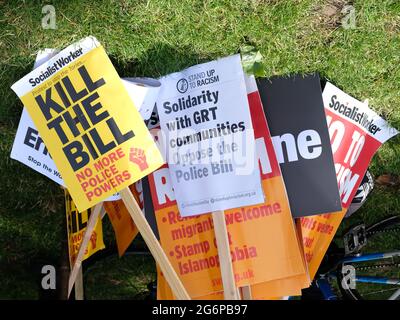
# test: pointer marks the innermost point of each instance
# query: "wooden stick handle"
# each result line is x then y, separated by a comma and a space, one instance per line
88, 233
153, 244
102, 212
79, 285
246, 293
221, 234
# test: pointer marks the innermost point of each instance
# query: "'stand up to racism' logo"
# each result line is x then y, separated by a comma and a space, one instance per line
182, 85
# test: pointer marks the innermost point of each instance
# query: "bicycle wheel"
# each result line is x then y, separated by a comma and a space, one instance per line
370, 275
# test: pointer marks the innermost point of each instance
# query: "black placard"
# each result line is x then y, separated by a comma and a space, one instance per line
149, 208
295, 114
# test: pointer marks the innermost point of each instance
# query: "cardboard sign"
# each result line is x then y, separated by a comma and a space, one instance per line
124, 228
356, 132
76, 226
144, 93
263, 240
29, 148
205, 116
296, 118
260, 291
88, 122
154, 120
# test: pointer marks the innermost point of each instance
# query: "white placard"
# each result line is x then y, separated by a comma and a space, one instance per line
204, 115
144, 93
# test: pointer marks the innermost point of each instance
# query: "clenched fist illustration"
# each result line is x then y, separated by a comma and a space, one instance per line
93, 239
138, 157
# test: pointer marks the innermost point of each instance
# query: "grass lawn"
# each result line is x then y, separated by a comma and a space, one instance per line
153, 38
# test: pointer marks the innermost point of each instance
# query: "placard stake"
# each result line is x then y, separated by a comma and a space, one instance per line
91, 224
246, 293
79, 285
153, 244
221, 234
102, 212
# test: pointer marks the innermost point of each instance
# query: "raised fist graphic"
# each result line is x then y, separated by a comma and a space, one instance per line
93, 239
138, 157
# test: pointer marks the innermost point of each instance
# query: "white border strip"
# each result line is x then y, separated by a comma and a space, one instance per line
23, 86
386, 131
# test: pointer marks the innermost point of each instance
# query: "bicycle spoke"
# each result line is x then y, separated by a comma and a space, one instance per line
378, 291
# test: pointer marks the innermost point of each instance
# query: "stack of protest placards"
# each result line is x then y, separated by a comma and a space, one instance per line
302, 143
94, 134
265, 250
228, 168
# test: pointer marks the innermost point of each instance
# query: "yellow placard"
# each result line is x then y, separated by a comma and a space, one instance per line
76, 227
88, 122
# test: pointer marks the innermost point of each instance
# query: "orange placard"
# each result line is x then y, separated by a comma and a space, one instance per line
124, 228
318, 232
272, 290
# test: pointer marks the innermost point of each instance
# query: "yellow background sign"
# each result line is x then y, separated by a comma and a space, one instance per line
76, 227
88, 122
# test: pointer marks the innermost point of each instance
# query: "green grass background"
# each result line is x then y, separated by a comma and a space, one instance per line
156, 37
